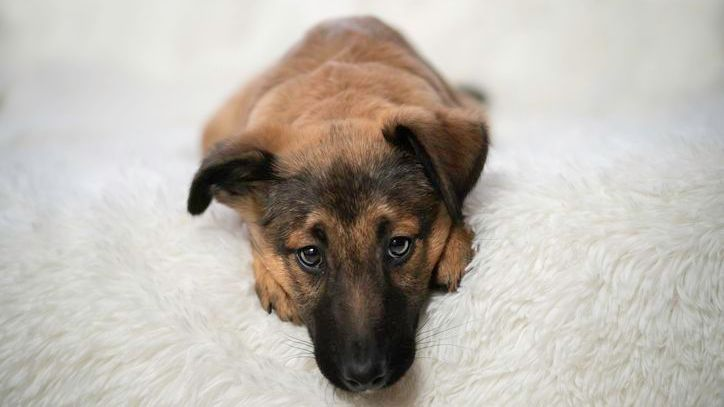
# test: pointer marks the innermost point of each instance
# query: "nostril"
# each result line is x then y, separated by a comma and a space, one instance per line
360, 377
353, 383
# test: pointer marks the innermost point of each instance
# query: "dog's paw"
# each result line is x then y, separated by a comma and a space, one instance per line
272, 296
454, 259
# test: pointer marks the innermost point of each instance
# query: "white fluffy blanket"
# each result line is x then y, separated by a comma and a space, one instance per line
599, 275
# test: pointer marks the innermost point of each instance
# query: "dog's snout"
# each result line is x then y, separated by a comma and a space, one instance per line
364, 368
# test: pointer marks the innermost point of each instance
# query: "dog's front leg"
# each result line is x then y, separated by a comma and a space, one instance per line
271, 294
270, 276
455, 257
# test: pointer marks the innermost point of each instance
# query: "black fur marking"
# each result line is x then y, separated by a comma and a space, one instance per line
345, 191
405, 139
235, 175
383, 229
318, 232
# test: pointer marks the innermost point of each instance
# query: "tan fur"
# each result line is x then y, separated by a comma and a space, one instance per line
343, 69
272, 281
454, 259
438, 237
352, 75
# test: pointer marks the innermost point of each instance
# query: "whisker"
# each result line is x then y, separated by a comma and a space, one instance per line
306, 345
434, 345
425, 322
432, 341
446, 329
302, 344
430, 346
427, 334
302, 355
298, 340
442, 336
432, 334
306, 350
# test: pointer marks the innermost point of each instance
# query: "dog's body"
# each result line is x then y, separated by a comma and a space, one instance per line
353, 68
349, 160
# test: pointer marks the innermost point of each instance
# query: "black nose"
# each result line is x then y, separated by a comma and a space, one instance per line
368, 374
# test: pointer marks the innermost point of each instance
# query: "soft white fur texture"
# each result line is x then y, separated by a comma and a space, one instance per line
600, 266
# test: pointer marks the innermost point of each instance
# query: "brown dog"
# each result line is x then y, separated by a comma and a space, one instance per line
349, 160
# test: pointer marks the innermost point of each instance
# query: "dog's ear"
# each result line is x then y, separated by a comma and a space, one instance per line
231, 169
451, 146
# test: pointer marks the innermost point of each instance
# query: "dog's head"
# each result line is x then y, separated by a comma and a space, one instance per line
359, 220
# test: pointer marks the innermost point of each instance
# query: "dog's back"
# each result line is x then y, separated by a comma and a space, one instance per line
349, 68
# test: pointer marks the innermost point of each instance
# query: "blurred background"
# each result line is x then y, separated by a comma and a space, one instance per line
137, 65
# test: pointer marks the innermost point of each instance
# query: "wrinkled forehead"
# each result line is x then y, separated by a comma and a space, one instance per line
356, 143
342, 188
370, 225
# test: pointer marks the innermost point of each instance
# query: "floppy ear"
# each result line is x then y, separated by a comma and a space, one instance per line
229, 168
451, 146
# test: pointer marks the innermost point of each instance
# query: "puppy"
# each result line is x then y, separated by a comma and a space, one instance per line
349, 160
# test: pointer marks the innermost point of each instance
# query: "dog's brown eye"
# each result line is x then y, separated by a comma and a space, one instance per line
310, 257
399, 247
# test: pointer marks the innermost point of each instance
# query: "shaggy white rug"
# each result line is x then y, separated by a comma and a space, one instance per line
599, 277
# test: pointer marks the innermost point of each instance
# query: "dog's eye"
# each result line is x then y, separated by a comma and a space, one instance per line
310, 257
399, 247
